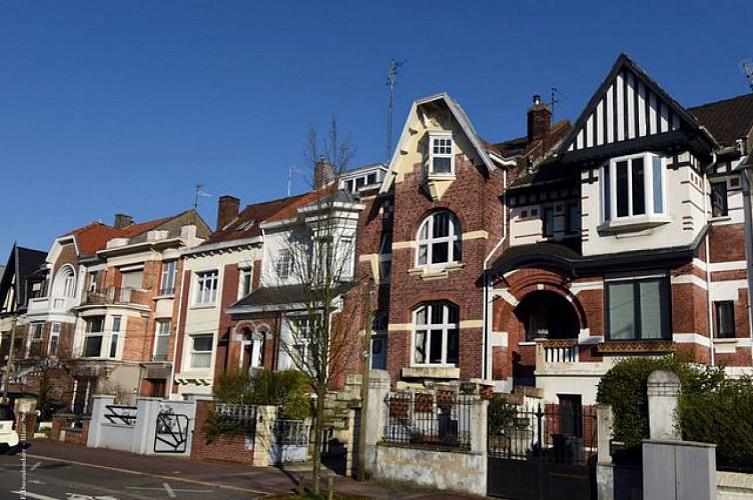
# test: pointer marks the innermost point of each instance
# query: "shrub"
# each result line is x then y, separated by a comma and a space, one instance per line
723, 416
501, 415
624, 387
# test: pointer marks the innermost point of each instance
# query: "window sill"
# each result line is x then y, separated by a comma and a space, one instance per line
629, 224
619, 346
431, 371
429, 273
720, 218
203, 306
725, 340
165, 296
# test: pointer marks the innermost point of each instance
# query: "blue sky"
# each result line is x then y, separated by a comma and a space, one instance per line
123, 106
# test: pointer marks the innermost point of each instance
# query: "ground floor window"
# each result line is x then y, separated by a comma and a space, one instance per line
638, 309
201, 350
437, 333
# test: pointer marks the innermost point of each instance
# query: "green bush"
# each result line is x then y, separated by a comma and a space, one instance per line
723, 416
624, 388
501, 415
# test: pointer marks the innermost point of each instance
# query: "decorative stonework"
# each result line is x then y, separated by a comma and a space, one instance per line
636, 346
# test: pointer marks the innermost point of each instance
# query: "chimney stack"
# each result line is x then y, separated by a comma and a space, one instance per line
324, 173
122, 221
540, 122
227, 210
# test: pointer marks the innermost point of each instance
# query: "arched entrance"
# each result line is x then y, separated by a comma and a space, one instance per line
546, 314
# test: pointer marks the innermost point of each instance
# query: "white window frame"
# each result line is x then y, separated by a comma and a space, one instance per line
284, 263
194, 353
207, 283
89, 334
385, 257
54, 342
609, 190
426, 328
426, 243
439, 142
112, 348
161, 332
245, 281
36, 331
167, 279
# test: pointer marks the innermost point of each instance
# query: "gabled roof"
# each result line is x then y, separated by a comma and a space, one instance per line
22, 263
93, 237
460, 117
728, 119
630, 106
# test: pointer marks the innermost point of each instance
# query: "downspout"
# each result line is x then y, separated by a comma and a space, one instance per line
179, 298
485, 340
746, 171
709, 304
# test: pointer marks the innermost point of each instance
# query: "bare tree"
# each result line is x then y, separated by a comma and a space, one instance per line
320, 338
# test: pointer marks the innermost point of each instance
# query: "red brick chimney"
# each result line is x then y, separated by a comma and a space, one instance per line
122, 221
324, 173
227, 210
540, 122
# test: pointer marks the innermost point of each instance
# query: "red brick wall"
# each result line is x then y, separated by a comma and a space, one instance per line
727, 243
74, 436
225, 448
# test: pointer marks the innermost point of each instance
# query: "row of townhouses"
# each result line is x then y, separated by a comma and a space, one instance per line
537, 261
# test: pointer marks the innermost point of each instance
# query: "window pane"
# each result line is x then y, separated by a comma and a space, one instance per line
622, 188
725, 319
719, 199
421, 316
202, 343
658, 190
423, 234
435, 344
607, 189
116, 324
548, 224
420, 346
453, 313
441, 224
113, 345
441, 165
654, 316
457, 248
439, 252
621, 311
132, 279
639, 187
453, 346
437, 314
93, 347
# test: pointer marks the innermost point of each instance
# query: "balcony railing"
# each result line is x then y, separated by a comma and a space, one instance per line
556, 351
113, 295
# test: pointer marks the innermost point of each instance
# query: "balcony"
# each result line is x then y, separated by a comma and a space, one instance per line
116, 295
556, 351
45, 305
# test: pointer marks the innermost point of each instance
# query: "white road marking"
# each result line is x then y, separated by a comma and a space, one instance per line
169, 490
34, 495
34, 467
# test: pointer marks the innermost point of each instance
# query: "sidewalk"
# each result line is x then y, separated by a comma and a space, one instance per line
258, 481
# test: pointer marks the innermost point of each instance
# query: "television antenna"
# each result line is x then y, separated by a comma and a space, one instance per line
292, 169
555, 97
391, 76
747, 68
198, 193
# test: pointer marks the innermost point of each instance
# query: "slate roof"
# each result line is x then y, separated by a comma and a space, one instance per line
22, 263
284, 295
728, 119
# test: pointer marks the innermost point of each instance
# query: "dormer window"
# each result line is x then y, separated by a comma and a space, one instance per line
440, 154
633, 187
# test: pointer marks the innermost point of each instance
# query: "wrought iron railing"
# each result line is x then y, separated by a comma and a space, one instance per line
236, 416
433, 419
291, 432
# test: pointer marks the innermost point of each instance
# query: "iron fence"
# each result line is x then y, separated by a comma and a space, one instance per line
553, 433
429, 419
236, 416
291, 432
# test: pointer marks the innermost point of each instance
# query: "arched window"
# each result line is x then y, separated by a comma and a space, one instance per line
439, 239
65, 282
437, 334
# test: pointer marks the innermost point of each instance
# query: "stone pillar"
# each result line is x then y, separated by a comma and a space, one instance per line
376, 419
479, 425
147, 410
604, 468
99, 408
263, 436
663, 390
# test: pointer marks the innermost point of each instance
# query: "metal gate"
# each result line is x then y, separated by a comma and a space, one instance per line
543, 454
171, 432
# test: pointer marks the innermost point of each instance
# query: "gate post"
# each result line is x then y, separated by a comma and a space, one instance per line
146, 423
263, 435
98, 411
478, 425
375, 420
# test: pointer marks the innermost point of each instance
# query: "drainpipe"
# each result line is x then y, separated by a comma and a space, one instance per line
709, 304
746, 178
485, 341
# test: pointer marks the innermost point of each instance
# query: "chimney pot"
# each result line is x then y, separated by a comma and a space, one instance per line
227, 210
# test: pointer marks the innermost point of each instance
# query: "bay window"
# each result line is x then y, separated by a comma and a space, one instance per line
93, 333
633, 186
440, 154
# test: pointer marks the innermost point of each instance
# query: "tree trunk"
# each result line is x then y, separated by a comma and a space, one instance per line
321, 390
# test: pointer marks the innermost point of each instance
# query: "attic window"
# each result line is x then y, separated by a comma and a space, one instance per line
245, 225
441, 161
